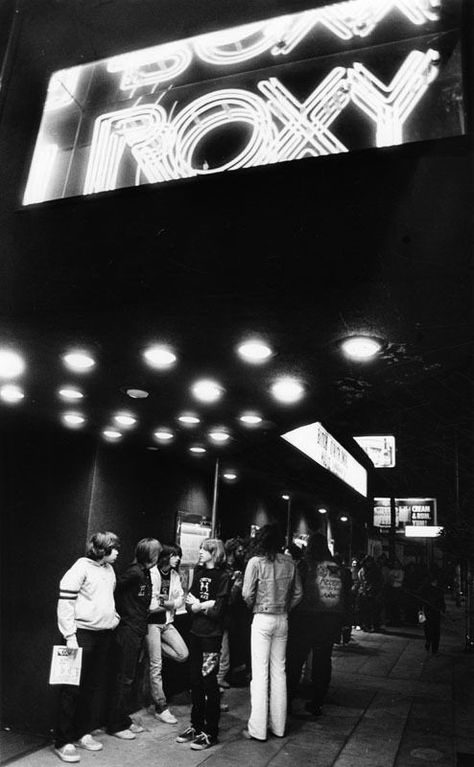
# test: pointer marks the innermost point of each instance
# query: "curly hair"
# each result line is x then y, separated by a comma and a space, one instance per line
317, 550
268, 542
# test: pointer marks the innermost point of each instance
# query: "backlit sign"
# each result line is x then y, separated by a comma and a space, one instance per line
381, 450
427, 531
416, 512
315, 442
325, 81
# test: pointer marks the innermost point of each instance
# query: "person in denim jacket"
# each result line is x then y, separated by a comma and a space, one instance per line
271, 589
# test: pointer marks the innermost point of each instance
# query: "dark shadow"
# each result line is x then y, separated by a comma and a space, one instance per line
403, 634
14, 745
355, 649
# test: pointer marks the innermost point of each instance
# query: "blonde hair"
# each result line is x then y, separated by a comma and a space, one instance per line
216, 549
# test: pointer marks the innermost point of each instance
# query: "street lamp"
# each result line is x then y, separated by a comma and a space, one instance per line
346, 520
286, 497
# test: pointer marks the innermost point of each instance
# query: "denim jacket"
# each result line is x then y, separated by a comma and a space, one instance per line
272, 587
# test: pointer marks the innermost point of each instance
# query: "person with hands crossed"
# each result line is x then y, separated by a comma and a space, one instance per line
86, 618
207, 602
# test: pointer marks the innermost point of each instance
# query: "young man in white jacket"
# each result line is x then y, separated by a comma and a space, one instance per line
162, 636
86, 618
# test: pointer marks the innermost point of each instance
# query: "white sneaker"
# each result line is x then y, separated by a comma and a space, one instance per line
166, 716
89, 743
125, 735
68, 753
136, 728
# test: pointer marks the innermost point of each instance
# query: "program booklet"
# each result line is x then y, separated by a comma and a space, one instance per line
65, 665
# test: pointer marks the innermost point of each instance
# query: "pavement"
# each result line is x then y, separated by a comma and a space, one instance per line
391, 704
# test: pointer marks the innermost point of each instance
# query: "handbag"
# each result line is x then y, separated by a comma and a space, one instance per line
421, 616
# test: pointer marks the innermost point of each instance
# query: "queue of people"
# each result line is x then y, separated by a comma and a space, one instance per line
256, 610
384, 593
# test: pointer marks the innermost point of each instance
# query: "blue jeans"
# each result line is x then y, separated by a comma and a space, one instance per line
163, 639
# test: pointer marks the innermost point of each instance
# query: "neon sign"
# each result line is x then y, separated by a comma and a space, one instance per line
256, 94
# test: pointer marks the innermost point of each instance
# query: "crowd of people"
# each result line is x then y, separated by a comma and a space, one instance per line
256, 610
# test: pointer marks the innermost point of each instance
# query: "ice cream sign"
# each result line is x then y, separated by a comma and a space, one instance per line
415, 512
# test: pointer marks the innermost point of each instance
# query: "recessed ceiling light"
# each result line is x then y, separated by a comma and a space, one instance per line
137, 393
344, 519
124, 419
230, 475
79, 361
159, 357
152, 447
285, 497
206, 390
323, 511
70, 394
361, 347
11, 393
112, 434
287, 390
163, 435
73, 419
189, 420
11, 364
219, 436
250, 419
197, 449
254, 351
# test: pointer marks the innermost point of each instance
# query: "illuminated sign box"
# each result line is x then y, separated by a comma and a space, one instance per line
416, 512
381, 450
428, 531
315, 442
318, 82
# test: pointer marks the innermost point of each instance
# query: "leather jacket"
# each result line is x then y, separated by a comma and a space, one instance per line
271, 586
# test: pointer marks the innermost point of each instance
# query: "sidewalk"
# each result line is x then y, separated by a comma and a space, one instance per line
390, 705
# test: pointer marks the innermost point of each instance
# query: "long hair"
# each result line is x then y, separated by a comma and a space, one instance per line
100, 545
268, 542
217, 550
169, 550
317, 550
147, 551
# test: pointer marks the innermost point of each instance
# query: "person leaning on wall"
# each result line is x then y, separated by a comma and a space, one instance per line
162, 638
86, 618
133, 596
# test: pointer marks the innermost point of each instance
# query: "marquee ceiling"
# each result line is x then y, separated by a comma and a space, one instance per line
302, 254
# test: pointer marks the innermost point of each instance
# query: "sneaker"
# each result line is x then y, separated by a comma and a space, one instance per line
189, 734
166, 716
89, 743
136, 728
125, 734
68, 753
202, 741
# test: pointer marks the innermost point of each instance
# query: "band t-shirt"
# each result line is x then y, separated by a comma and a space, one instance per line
160, 615
210, 584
